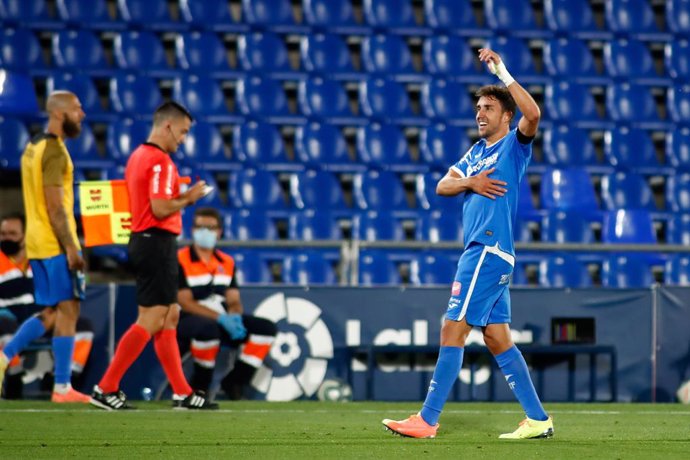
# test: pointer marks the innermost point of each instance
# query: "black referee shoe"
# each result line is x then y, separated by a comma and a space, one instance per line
116, 400
195, 401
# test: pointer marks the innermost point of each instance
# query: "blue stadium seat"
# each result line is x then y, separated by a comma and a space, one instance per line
142, 51
677, 270
327, 55
440, 225
394, 16
35, 14
17, 94
571, 59
573, 17
526, 210
572, 103
425, 189
148, 14
389, 56
326, 101
275, 15
259, 144
378, 190
448, 102
83, 86
251, 268
376, 269
678, 192
678, 17
379, 225
433, 268
626, 190
570, 146
124, 135
204, 98
387, 101
514, 17
677, 59
630, 60
633, 104
314, 224
91, 14
518, 58
678, 148
567, 188
633, 17
80, 51
323, 146
441, 146
628, 226
251, 224
264, 53
316, 190
632, 149
563, 271
265, 99
566, 226
13, 139
452, 58
134, 95
84, 152
627, 271
21, 52
209, 15
203, 53
679, 103
255, 188
309, 268
453, 17
519, 277
384, 147
678, 230
204, 146
335, 16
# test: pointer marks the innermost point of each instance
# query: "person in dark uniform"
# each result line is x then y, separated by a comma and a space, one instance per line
212, 313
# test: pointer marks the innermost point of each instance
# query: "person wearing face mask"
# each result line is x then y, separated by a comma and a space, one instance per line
19, 312
212, 314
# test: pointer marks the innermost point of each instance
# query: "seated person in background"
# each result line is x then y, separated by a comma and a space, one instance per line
212, 311
17, 306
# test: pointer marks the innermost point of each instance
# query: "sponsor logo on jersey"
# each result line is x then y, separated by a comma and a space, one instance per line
484, 162
457, 286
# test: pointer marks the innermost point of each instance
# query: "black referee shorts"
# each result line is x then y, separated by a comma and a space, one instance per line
153, 254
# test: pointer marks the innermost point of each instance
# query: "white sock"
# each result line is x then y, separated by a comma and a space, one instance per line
62, 388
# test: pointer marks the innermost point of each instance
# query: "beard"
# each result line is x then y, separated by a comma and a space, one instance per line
70, 128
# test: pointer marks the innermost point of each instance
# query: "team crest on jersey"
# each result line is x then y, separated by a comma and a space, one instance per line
457, 286
505, 279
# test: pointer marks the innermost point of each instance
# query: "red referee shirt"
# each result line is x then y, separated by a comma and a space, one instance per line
151, 174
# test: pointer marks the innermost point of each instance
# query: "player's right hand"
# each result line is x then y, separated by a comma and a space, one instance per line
196, 192
74, 260
485, 186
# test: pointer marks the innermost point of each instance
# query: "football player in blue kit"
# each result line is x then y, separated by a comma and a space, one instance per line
488, 175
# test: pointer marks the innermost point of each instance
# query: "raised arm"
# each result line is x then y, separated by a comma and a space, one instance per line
529, 122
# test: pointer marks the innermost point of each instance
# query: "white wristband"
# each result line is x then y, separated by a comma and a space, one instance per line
501, 72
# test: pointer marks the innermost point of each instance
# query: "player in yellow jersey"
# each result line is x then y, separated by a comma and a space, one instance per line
51, 240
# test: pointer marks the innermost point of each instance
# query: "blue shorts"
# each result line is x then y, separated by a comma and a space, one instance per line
54, 282
480, 291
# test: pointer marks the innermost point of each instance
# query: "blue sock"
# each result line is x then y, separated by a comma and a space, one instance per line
445, 374
514, 368
31, 329
63, 348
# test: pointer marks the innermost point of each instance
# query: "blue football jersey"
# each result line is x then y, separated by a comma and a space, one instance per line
489, 221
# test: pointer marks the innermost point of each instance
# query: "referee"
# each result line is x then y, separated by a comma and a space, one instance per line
155, 201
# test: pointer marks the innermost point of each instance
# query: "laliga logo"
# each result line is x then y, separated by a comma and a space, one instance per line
300, 352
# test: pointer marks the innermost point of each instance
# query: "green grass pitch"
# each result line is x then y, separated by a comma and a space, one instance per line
306, 430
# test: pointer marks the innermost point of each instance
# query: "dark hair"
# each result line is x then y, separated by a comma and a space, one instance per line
209, 212
502, 95
168, 110
15, 216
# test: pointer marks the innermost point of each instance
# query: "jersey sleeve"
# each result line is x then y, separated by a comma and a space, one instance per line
162, 179
524, 143
53, 163
462, 166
